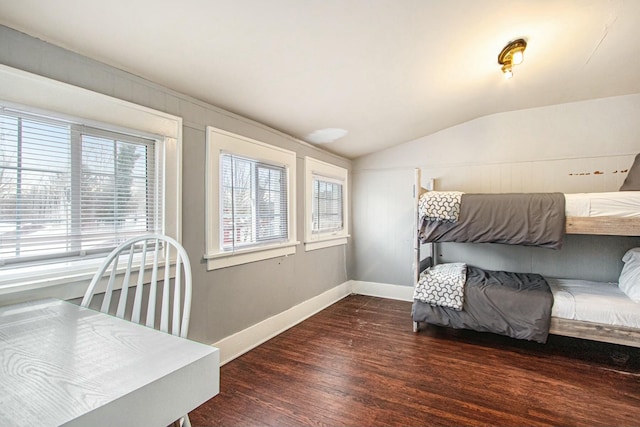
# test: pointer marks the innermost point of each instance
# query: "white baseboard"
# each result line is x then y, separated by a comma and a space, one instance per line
241, 342
382, 290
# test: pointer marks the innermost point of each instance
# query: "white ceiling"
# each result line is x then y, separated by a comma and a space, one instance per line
387, 71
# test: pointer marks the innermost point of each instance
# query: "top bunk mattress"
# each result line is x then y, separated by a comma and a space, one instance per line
534, 219
594, 302
621, 204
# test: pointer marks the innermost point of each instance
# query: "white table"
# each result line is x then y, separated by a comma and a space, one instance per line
61, 364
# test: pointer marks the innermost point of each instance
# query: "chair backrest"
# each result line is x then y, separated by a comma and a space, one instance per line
172, 296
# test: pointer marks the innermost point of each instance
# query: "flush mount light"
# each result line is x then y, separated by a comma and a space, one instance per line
512, 54
325, 136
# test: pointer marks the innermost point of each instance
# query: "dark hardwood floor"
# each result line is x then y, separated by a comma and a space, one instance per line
358, 363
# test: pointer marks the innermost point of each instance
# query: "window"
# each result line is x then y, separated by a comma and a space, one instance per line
254, 203
79, 172
68, 190
326, 207
250, 200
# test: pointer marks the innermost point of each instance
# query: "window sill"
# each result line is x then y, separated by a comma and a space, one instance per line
325, 242
224, 259
63, 281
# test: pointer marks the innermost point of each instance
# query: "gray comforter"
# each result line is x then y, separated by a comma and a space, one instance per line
517, 305
535, 219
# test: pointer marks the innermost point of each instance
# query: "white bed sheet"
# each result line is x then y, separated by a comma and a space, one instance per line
625, 204
593, 302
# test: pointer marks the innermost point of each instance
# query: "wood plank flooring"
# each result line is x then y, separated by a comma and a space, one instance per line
358, 363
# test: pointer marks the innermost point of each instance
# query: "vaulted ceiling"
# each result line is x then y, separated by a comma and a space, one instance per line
386, 71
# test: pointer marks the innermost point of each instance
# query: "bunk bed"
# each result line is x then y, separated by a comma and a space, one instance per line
526, 305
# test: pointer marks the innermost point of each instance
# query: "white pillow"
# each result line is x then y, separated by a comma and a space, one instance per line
629, 281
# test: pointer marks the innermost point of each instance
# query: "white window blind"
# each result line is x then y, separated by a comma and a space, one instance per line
71, 190
327, 210
326, 219
253, 203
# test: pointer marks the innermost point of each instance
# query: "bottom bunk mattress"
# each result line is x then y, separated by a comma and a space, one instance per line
595, 302
517, 305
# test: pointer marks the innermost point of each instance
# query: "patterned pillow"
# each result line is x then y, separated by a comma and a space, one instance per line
440, 205
443, 285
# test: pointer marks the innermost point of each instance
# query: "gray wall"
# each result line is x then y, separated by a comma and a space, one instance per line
554, 148
228, 300
597, 258
383, 225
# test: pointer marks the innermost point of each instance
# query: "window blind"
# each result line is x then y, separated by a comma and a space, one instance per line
253, 203
327, 210
71, 190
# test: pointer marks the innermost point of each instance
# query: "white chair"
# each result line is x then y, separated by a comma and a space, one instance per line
174, 299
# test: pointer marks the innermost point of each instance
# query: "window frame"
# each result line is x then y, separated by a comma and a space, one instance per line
319, 240
75, 139
219, 142
255, 213
23, 91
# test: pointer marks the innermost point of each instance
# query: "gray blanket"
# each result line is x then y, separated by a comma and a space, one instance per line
517, 305
534, 219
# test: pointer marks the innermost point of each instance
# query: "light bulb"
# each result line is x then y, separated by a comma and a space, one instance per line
507, 70
517, 57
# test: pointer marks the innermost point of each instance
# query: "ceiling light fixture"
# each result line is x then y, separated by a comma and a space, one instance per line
325, 136
512, 54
